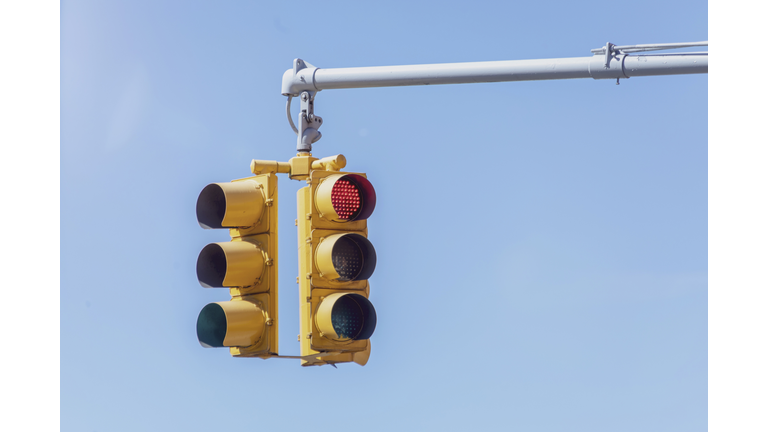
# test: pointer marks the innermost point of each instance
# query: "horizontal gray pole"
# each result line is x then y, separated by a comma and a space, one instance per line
665, 64
305, 77
452, 73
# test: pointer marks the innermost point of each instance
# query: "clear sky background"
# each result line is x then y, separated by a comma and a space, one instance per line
542, 246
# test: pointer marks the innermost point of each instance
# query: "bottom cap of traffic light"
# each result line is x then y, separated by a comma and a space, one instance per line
346, 316
230, 324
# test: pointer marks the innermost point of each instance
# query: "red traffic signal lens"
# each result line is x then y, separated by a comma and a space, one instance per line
345, 198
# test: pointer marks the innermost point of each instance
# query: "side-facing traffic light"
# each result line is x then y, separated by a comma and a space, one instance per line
247, 265
335, 261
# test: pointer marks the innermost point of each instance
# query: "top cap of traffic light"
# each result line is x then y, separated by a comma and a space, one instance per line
345, 198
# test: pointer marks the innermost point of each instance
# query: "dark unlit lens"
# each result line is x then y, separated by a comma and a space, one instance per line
211, 206
212, 326
347, 259
211, 266
347, 318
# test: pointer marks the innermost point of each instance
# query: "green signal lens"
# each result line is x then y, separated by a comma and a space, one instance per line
212, 326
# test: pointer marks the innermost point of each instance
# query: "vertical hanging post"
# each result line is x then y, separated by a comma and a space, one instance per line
308, 123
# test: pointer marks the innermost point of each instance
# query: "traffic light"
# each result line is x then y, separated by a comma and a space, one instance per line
247, 265
335, 261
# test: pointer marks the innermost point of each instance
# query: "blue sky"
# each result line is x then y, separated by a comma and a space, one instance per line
542, 246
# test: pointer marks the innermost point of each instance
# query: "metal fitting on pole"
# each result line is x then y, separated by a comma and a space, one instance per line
330, 163
309, 123
266, 167
299, 79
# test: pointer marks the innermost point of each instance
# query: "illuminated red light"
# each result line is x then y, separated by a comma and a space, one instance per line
346, 199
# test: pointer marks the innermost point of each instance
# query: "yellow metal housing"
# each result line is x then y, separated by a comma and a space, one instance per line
247, 265
231, 324
301, 166
330, 163
227, 205
231, 264
266, 167
323, 283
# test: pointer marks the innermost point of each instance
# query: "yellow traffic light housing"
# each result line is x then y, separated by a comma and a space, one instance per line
230, 324
335, 260
247, 265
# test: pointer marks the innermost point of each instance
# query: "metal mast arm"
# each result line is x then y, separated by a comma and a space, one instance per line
609, 62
